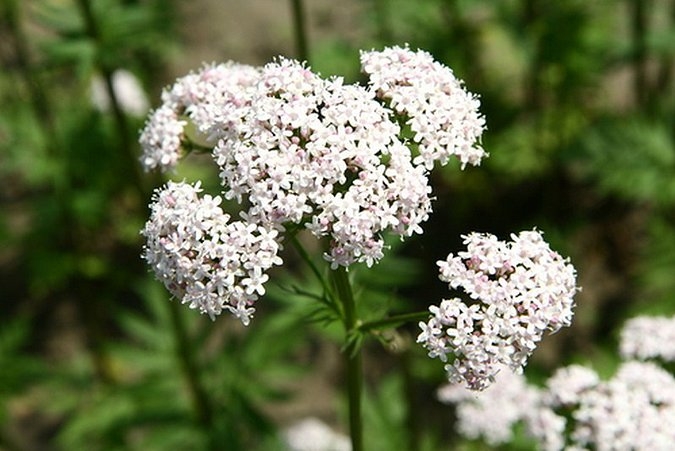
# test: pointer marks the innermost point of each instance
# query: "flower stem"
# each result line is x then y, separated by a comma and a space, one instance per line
308, 260
300, 29
200, 400
352, 353
93, 30
327, 298
40, 102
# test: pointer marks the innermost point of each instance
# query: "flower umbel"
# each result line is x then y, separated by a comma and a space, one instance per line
648, 337
442, 115
519, 290
209, 99
325, 155
634, 409
204, 259
492, 413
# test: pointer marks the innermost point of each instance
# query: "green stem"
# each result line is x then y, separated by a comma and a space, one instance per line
39, 99
121, 123
352, 357
639, 29
307, 259
665, 76
300, 29
200, 400
327, 292
393, 321
412, 420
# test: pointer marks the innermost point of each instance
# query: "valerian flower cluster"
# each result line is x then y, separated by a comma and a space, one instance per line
576, 409
299, 149
648, 337
204, 258
349, 163
518, 290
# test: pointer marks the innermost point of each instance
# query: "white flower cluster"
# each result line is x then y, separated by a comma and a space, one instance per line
208, 98
576, 410
294, 148
316, 152
646, 337
509, 397
567, 383
324, 154
633, 410
203, 258
161, 139
519, 290
442, 116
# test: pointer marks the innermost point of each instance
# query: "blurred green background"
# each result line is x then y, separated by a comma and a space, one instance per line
579, 99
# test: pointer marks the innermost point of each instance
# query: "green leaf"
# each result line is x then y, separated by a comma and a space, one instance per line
656, 269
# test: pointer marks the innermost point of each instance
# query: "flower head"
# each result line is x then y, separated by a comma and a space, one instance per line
204, 259
518, 289
633, 410
441, 114
647, 337
492, 413
325, 155
161, 139
209, 99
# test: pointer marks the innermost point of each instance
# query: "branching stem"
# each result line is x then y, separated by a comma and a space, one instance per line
352, 355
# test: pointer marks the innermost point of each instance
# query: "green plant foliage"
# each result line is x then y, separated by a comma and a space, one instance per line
657, 268
19, 370
151, 405
578, 101
125, 30
380, 285
384, 415
630, 159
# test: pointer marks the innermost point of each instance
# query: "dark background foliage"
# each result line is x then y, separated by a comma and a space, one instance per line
580, 104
